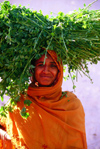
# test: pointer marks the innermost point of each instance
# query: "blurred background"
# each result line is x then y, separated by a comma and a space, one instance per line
87, 92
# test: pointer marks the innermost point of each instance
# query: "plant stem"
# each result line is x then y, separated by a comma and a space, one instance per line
91, 4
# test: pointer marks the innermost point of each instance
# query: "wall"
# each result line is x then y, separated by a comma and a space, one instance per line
88, 93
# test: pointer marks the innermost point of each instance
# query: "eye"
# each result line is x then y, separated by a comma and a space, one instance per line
40, 65
53, 65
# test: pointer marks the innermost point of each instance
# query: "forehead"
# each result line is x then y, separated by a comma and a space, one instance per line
42, 58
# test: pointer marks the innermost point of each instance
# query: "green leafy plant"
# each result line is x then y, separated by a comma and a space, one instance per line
74, 37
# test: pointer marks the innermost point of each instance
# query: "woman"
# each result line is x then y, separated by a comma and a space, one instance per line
56, 118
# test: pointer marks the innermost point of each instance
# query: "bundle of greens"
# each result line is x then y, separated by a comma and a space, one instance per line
74, 37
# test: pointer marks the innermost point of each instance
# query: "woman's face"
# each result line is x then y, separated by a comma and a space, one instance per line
45, 74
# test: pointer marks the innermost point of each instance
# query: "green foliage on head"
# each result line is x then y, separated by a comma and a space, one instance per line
74, 37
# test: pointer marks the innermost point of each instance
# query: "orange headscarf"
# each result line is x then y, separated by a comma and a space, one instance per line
56, 120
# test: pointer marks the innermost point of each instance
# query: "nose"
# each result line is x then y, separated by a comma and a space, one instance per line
46, 69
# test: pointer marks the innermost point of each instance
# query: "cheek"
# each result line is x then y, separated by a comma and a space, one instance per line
37, 72
55, 72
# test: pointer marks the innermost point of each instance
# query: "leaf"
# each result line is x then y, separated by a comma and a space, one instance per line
23, 110
23, 40
23, 113
41, 12
1, 34
27, 102
84, 5
52, 34
17, 98
1, 109
73, 77
2, 99
74, 86
63, 94
10, 109
32, 67
23, 32
55, 26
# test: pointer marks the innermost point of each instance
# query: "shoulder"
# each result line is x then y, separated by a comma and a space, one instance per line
71, 94
73, 102
71, 97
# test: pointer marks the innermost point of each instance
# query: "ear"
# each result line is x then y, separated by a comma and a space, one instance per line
32, 78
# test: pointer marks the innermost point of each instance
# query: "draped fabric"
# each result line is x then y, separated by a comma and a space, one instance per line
56, 121
6, 144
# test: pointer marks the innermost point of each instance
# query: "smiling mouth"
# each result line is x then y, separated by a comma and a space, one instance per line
46, 76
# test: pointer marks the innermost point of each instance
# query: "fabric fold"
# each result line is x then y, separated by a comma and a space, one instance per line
54, 122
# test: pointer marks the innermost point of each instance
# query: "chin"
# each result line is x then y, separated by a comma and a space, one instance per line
45, 84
